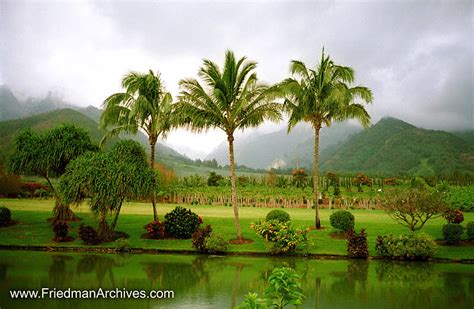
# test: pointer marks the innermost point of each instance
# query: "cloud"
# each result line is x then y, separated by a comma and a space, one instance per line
417, 58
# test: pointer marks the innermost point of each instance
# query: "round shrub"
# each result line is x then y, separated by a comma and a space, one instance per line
470, 231
5, 216
277, 214
181, 223
88, 235
342, 220
155, 230
452, 233
454, 216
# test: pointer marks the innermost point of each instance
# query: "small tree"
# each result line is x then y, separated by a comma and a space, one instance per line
413, 208
107, 179
47, 155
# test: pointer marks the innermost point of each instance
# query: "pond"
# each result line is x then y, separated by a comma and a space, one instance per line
222, 282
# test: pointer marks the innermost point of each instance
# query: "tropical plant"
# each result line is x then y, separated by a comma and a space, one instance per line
281, 237
252, 301
215, 243
61, 230
321, 96
106, 179
88, 235
47, 155
199, 238
284, 288
454, 216
144, 105
413, 208
231, 99
155, 230
357, 246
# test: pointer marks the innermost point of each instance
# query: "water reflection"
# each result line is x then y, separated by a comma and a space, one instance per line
223, 282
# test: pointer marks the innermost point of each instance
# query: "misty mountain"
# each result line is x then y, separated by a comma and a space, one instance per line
394, 147
10, 107
282, 149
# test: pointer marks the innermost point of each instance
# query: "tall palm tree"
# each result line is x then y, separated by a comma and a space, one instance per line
229, 99
320, 96
144, 105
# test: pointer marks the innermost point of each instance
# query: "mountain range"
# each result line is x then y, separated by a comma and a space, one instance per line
390, 147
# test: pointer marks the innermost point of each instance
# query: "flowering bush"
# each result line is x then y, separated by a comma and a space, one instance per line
454, 216
281, 237
155, 230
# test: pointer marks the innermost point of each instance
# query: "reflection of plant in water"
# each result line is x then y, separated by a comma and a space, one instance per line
3, 271
455, 288
57, 273
101, 265
409, 272
357, 273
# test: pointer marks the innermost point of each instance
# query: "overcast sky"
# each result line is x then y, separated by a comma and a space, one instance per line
416, 58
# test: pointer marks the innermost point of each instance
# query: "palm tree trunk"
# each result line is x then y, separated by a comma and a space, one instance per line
114, 223
316, 171
152, 166
61, 212
230, 138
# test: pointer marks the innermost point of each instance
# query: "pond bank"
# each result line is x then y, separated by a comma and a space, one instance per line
193, 252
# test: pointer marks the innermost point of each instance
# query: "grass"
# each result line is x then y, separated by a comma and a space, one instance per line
33, 229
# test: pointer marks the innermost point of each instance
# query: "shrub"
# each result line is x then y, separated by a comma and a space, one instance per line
181, 223
281, 237
122, 244
60, 229
342, 220
88, 235
214, 179
278, 215
5, 216
470, 231
215, 243
10, 185
454, 216
199, 238
406, 247
155, 230
452, 233
357, 246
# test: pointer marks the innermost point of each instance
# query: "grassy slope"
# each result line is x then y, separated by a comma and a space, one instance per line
34, 230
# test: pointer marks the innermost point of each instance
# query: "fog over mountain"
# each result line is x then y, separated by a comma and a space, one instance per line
416, 57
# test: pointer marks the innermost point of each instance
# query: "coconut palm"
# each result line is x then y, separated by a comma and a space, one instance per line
144, 105
320, 96
229, 99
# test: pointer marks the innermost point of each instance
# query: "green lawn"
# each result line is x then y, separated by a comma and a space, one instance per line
33, 229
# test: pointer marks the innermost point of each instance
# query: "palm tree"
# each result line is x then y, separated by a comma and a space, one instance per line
144, 105
320, 96
229, 99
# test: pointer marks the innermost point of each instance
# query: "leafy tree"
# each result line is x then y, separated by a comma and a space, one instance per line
106, 179
214, 179
320, 96
413, 208
230, 99
300, 178
144, 105
47, 155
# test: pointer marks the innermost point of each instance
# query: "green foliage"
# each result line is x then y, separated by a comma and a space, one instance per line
284, 288
199, 238
279, 215
413, 208
299, 178
461, 197
61, 230
214, 179
88, 235
281, 237
155, 230
10, 185
215, 243
47, 154
252, 301
5, 216
181, 223
452, 233
106, 179
342, 220
470, 231
406, 247
122, 244
357, 246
